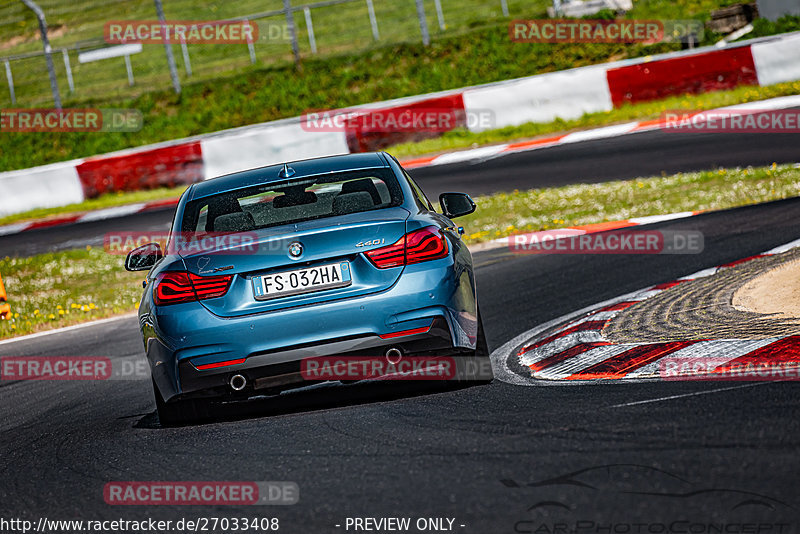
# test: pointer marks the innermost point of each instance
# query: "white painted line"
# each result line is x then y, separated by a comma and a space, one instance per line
599, 133
468, 155
109, 213
67, 328
14, 228
784, 248
661, 218
696, 393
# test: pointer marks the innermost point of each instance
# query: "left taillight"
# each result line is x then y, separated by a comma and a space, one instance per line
179, 287
415, 247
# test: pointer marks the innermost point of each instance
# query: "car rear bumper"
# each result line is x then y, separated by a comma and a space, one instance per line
427, 311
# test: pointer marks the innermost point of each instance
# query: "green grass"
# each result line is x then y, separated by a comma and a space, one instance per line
462, 138
109, 200
64, 288
59, 289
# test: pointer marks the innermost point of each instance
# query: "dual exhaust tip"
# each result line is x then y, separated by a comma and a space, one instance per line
239, 382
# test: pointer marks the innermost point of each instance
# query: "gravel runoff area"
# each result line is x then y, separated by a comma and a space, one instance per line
757, 299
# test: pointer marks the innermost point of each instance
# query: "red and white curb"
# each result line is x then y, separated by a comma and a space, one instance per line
617, 130
88, 216
572, 348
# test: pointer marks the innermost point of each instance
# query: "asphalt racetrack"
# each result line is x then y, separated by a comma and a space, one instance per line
655, 457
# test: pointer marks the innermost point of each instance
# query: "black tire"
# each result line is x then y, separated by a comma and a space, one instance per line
181, 412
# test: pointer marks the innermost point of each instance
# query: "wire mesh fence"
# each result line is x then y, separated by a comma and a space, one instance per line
321, 28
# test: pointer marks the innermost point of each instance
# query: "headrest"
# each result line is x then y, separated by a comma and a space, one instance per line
366, 185
234, 222
345, 203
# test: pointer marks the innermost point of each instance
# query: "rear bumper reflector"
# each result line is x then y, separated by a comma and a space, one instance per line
220, 364
423, 330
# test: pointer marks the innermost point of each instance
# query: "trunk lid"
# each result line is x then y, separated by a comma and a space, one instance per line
326, 241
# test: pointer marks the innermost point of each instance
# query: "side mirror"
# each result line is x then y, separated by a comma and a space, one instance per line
144, 257
456, 204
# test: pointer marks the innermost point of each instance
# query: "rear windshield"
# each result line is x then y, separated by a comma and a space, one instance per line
293, 201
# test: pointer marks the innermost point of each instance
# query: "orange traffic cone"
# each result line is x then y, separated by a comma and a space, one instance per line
5, 308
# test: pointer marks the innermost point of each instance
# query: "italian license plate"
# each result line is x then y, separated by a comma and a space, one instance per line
299, 281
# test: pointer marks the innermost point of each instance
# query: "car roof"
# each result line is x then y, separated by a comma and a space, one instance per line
306, 167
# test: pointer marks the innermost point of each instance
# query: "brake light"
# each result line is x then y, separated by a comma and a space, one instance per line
179, 287
415, 247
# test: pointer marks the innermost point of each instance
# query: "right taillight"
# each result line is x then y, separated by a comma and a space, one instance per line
177, 287
415, 247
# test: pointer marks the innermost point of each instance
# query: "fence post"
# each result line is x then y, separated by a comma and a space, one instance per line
68, 68
250, 48
287, 7
423, 23
129, 69
310, 25
439, 13
48, 58
504, 6
373, 21
10, 79
187, 63
173, 70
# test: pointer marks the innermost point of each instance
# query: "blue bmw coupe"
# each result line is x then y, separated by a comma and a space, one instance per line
336, 256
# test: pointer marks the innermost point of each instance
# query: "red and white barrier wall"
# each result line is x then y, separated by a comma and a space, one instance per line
247, 148
48, 186
542, 98
777, 61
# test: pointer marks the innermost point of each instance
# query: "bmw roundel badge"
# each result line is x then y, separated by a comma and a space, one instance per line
295, 250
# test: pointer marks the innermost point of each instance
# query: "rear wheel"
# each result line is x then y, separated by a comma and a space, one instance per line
181, 411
